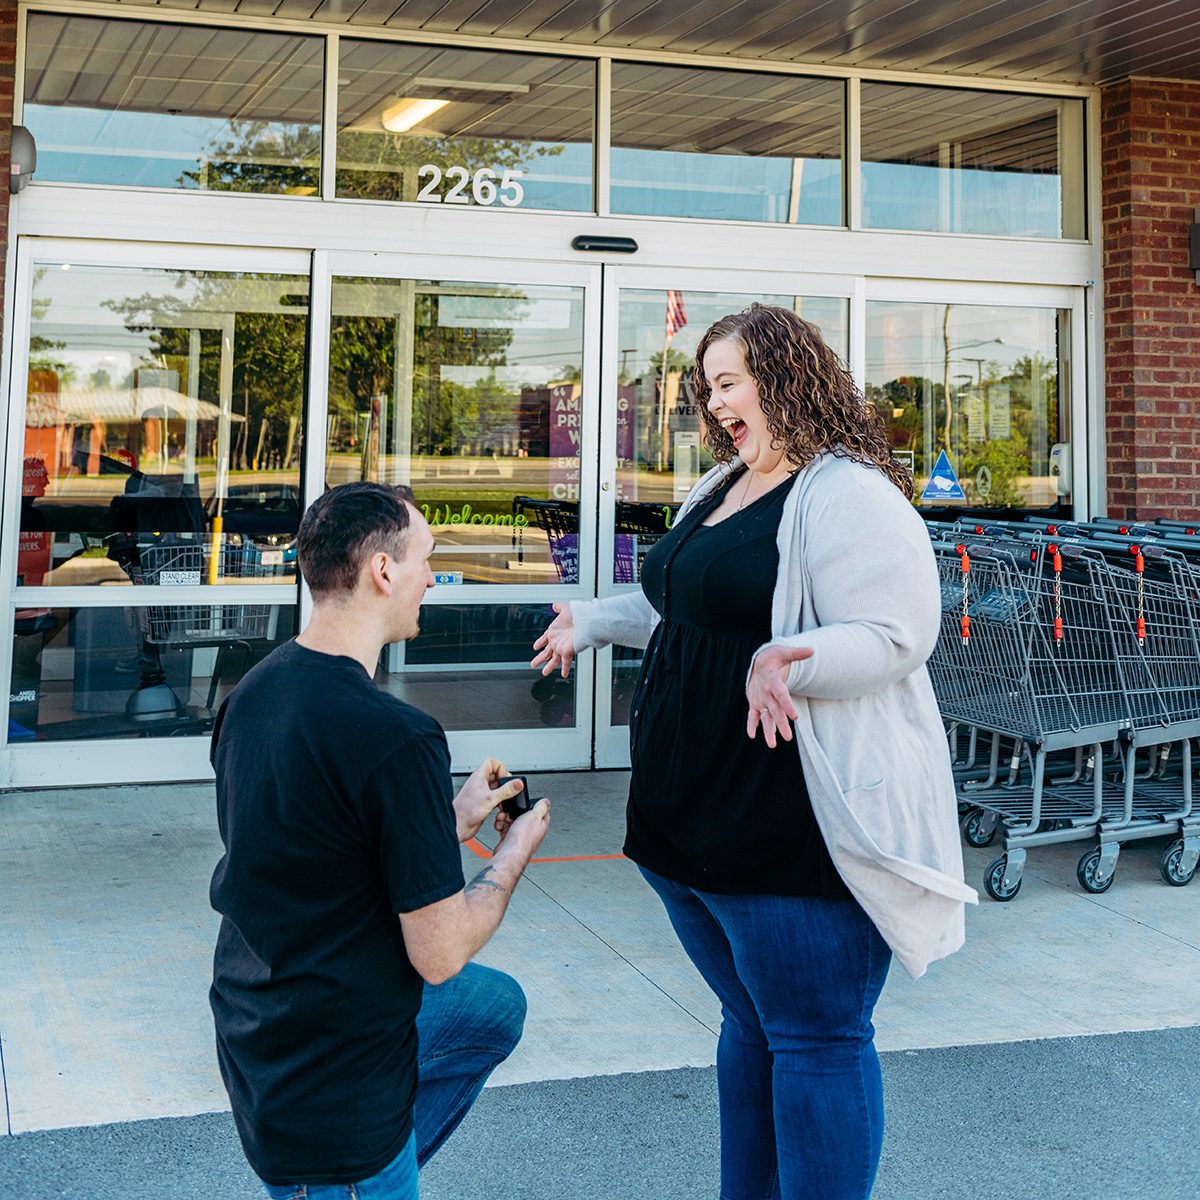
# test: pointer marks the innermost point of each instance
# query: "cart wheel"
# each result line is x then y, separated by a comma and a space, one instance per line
993, 881
1170, 865
1085, 872
971, 831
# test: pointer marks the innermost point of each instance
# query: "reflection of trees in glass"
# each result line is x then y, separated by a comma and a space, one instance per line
677, 362
261, 156
383, 166
269, 350
437, 427
1029, 388
446, 415
903, 403
1032, 386
479, 412
41, 348
362, 365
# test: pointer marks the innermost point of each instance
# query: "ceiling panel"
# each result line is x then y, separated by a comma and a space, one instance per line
1061, 41
1040, 38
447, 16
110, 66
357, 12
1163, 44
753, 19
495, 14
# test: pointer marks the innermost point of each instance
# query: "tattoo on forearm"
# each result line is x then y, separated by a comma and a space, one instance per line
482, 881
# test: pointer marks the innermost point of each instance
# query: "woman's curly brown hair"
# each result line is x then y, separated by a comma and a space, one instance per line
808, 397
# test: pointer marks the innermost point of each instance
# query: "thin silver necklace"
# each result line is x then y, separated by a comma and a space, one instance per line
750, 477
746, 489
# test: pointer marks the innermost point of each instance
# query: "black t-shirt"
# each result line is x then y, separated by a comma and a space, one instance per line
708, 807
335, 806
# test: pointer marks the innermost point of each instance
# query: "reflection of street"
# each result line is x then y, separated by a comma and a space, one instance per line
484, 554
647, 487
468, 498
98, 490
503, 476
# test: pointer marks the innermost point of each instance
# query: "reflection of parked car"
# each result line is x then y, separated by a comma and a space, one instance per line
267, 515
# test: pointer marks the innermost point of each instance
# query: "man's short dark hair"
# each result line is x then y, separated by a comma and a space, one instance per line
345, 526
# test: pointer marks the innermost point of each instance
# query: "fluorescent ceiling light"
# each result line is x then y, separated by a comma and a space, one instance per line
469, 85
402, 115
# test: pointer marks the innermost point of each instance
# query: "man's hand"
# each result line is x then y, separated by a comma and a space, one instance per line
766, 692
479, 796
556, 647
441, 937
529, 828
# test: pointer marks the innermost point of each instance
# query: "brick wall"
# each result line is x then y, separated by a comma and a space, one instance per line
1150, 154
8, 58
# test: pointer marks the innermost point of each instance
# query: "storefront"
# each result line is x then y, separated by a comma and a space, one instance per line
258, 259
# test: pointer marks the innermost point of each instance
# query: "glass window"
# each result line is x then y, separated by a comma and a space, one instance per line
441, 125
173, 106
162, 427
82, 673
469, 668
726, 145
472, 394
986, 385
946, 160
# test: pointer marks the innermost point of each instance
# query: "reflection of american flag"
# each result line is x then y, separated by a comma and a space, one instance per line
676, 313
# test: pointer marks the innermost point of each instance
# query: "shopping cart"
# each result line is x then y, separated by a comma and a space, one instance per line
1085, 672
179, 560
559, 520
638, 526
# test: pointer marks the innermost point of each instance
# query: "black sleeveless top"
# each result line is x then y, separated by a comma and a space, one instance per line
708, 807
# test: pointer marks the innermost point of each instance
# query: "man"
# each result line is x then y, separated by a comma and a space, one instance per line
341, 886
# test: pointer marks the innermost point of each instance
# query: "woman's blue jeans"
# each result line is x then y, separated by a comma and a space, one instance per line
466, 1028
801, 1097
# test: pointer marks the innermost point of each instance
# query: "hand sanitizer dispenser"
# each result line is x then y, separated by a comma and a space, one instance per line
1060, 467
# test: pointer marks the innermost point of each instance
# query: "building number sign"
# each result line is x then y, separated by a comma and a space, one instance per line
483, 186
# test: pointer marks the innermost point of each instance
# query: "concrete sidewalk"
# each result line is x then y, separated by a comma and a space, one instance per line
105, 945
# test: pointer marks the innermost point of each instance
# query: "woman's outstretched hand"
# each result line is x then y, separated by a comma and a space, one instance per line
556, 647
766, 692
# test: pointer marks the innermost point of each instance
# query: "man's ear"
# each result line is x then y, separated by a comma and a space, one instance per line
381, 571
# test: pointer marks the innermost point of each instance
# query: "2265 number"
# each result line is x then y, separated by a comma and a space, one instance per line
485, 188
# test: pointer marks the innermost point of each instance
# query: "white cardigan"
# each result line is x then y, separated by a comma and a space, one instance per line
857, 583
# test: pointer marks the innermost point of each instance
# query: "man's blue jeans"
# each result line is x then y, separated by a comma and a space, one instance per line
800, 1093
466, 1028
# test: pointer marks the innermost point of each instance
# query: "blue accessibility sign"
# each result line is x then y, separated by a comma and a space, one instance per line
943, 483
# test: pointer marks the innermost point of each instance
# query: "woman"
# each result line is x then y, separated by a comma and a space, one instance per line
795, 598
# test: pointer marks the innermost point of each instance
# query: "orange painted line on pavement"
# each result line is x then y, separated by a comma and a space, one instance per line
481, 851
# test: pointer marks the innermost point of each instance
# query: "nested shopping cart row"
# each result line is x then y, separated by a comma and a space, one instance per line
185, 559
1068, 670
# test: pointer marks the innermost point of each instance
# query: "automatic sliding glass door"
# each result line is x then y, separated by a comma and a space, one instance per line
653, 446
475, 384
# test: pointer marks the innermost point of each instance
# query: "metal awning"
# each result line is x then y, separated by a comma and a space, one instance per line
1059, 41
